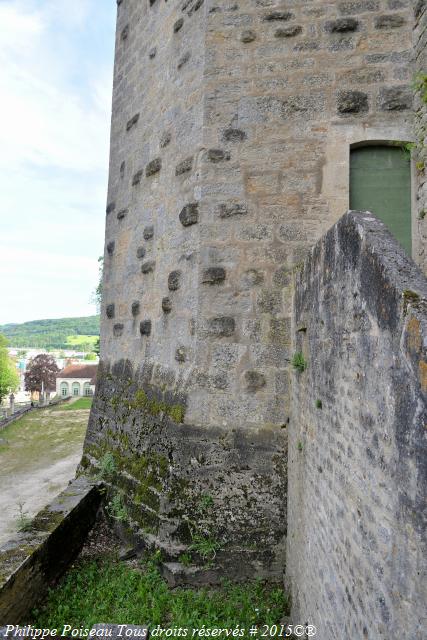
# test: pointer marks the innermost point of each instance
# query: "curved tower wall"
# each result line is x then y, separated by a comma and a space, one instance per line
231, 129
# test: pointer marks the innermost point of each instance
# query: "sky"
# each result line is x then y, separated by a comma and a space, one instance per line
56, 70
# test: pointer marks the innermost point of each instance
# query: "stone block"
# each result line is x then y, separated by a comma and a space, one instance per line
398, 98
352, 102
254, 381
148, 267
221, 327
288, 32
390, 21
174, 280
189, 214
145, 327
213, 275
118, 330
148, 232
166, 305
110, 311
132, 122
153, 167
184, 166
342, 25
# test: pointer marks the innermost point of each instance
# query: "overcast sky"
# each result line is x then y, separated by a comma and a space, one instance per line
56, 60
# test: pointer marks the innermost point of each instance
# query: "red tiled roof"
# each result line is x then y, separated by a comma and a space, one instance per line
79, 371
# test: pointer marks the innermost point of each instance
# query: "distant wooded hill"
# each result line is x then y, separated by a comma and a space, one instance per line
64, 333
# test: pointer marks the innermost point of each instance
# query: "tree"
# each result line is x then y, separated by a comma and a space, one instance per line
41, 369
97, 293
9, 377
97, 347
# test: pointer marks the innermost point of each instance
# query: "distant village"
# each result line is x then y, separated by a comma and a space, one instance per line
76, 377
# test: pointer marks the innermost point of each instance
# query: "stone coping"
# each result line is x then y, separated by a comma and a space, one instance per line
32, 561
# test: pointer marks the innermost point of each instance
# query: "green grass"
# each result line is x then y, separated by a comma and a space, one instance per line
109, 590
38, 439
75, 341
81, 403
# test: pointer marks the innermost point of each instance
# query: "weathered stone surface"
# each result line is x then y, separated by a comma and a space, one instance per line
342, 25
153, 167
189, 214
174, 280
221, 327
181, 354
183, 60
148, 232
145, 327
166, 305
234, 135
362, 456
278, 15
178, 25
137, 177
288, 32
125, 33
184, 166
132, 122
352, 102
391, 21
148, 267
118, 330
122, 214
218, 155
140, 252
397, 98
110, 310
254, 380
247, 36
110, 247
136, 307
32, 562
232, 209
213, 275
110, 207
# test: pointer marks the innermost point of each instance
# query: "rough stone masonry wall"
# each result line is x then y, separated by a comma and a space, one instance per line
420, 126
231, 129
357, 448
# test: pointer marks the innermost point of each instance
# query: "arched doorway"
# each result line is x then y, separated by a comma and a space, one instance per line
76, 388
380, 181
65, 389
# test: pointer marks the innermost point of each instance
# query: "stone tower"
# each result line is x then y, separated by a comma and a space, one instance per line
231, 132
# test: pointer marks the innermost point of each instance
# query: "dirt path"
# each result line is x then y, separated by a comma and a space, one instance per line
38, 456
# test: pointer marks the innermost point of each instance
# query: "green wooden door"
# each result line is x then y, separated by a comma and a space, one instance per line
380, 181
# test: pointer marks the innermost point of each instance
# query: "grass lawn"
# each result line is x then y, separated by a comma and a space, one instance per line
75, 341
106, 590
38, 438
81, 403
39, 454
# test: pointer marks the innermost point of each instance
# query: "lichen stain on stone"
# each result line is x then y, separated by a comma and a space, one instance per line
422, 374
414, 335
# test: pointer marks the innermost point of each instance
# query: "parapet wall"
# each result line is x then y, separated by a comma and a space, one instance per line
357, 449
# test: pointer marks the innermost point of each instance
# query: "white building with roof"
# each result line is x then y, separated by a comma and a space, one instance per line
76, 380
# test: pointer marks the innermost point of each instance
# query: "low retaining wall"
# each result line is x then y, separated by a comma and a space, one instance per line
32, 561
21, 412
357, 447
